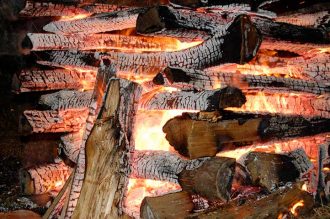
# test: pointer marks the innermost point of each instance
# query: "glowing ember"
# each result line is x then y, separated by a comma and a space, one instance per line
326, 169
58, 184
75, 17
304, 187
295, 206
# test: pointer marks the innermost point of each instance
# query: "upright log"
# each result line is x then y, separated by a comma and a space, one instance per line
106, 154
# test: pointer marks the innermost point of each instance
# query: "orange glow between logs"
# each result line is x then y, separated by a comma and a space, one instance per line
75, 17
293, 210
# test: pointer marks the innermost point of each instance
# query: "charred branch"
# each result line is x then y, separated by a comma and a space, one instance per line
209, 100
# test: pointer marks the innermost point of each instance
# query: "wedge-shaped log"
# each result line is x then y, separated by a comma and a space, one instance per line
98, 23
270, 170
196, 138
204, 100
171, 206
66, 99
212, 180
199, 80
69, 120
40, 80
43, 179
106, 151
279, 202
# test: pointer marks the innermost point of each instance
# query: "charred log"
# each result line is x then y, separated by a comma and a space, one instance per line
209, 100
201, 3
70, 145
40, 80
42, 179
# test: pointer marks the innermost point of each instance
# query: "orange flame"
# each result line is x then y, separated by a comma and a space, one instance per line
293, 209
74, 17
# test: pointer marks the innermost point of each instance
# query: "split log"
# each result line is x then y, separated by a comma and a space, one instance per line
106, 154
171, 206
271, 206
69, 120
105, 73
84, 61
66, 99
40, 80
279, 102
49, 9
209, 100
70, 145
199, 80
290, 32
217, 173
46, 41
42, 179
98, 23
161, 165
196, 138
270, 170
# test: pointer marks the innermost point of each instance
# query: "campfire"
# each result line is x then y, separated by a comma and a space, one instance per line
180, 109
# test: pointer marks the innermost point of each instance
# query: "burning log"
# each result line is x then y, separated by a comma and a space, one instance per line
46, 41
161, 165
182, 34
163, 206
217, 173
209, 100
290, 32
98, 23
283, 201
66, 99
40, 80
84, 61
270, 170
66, 12
42, 179
69, 120
201, 3
310, 19
70, 144
106, 163
199, 80
194, 138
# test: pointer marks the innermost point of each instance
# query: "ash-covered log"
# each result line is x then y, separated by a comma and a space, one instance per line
40, 80
199, 80
98, 23
171, 206
209, 100
193, 137
66, 99
314, 19
106, 152
48, 41
70, 144
69, 120
43, 179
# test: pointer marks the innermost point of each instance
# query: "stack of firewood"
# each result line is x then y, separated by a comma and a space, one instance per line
256, 76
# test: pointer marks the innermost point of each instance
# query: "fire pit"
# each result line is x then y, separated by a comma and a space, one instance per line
180, 109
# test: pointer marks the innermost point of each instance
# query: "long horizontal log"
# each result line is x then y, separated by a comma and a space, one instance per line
49, 9
183, 34
196, 138
42, 179
279, 102
84, 61
201, 3
69, 120
66, 99
40, 80
189, 100
195, 79
46, 41
99, 23
311, 19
